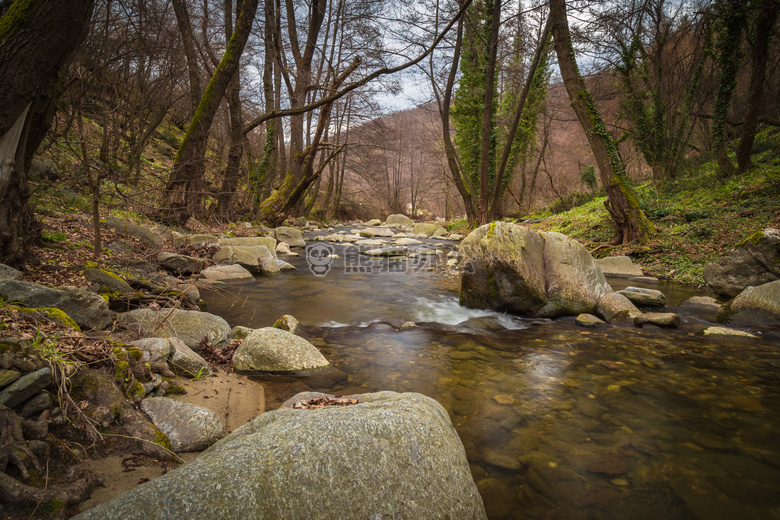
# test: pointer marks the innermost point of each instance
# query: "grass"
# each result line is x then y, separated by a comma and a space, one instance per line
699, 216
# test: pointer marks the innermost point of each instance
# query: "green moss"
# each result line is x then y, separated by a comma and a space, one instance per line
53, 506
175, 390
162, 439
753, 239
57, 315
15, 18
491, 230
113, 275
134, 353
90, 265
137, 392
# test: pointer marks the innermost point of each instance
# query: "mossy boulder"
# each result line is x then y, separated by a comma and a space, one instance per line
188, 427
107, 279
277, 351
512, 268
426, 229
86, 308
189, 326
755, 261
398, 220
389, 456
255, 259
755, 306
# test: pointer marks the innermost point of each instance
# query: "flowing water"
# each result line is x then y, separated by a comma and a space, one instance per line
557, 421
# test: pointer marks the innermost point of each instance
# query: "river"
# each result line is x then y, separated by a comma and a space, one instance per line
557, 421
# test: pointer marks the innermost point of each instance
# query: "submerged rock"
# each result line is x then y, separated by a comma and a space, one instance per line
512, 268
725, 332
644, 297
277, 351
755, 261
390, 456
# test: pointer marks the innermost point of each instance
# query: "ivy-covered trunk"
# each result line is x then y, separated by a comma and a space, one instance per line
631, 224
37, 39
183, 192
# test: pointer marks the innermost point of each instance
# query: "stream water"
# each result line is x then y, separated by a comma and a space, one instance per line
557, 421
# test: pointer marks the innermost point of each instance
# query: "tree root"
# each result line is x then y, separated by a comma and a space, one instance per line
14, 492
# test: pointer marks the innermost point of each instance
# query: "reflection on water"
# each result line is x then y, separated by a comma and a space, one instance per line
557, 421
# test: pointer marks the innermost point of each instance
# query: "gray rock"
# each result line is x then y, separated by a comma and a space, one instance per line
512, 268
408, 241
277, 351
649, 280
616, 307
284, 266
122, 247
144, 234
398, 220
87, 309
9, 273
8, 376
374, 222
44, 168
707, 303
187, 362
725, 332
425, 229
755, 306
288, 323
156, 352
588, 320
386, 251
644, 297
619, 266
36, 405
753, 262
668, 320
188, 326
189, 427
440, 232
195, 239
254, 259
391, 456
108, 280
376, 232
240, 332
180, 264
25, 387
283, 248
290, 236
226, 272
269, 242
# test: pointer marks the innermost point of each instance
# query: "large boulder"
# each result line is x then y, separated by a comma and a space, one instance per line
616, 307
269, 242
255, 259
398, 220
107, 279
226, 272
290, 236
425, 229
180, 264
512, 268
619, 266
755, 261
144, 234
186, 361
390, 456
9, 273
277, 351
87, 309
188, 326
188, 426
755, 306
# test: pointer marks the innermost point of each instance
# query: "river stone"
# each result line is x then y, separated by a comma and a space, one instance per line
616, 307
269, 242
25, 387
8, 376
386, 251
156, 352
144, 234
408, 241
9, 273
86, 308
180, 264
290, 236
425, 229
189, 427
512, 268
107, 279
755, 261
391, 456
725, 332
188, 326
644, 297
284, 248
282, 265
275, 350
588, 320
667, 320
226, 272
619, 266
398, 220
288, 323
374, 222
754, 306
439, 233
195, 239
254, 259
240, 332
376, 232
186, 361
703, 303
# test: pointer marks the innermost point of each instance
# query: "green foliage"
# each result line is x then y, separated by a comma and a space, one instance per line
588, 178
53, 237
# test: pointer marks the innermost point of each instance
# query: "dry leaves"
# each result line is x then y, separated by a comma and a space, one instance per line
322, 402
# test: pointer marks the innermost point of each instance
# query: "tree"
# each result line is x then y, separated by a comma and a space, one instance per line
37, 40
631, 224
183, 191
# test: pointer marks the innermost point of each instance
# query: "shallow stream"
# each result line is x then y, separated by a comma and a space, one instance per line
557, 421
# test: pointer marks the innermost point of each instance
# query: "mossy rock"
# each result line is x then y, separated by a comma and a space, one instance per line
57, 315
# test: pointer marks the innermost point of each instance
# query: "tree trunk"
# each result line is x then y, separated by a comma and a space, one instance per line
188, 42
630, 222
487, 152
37, 39
765, 20
183, 192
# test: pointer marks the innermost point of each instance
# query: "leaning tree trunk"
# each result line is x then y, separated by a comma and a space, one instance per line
183, 192
630, 222
37, 39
